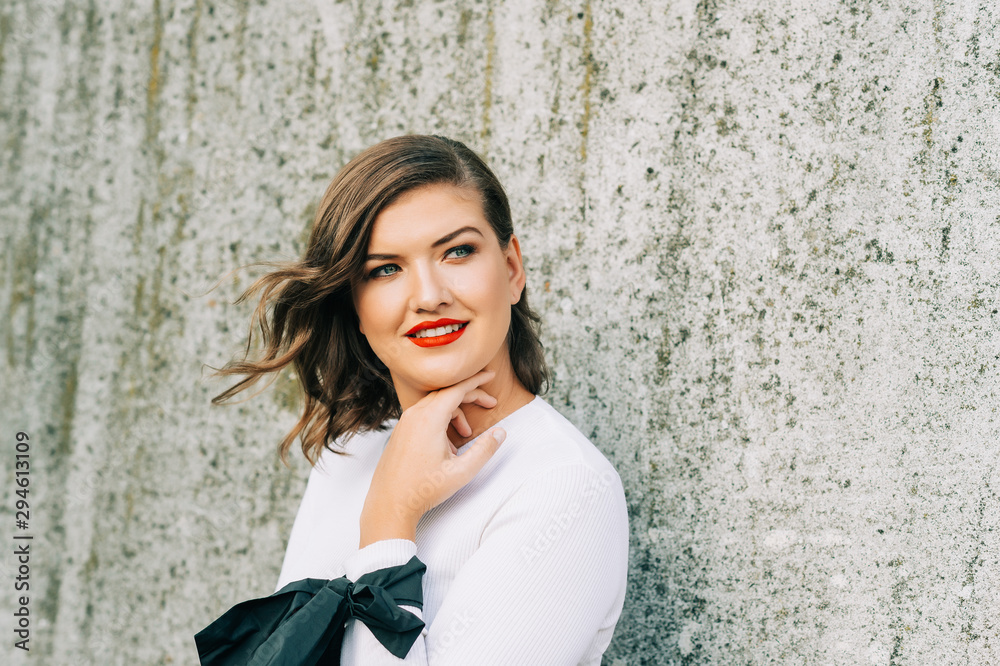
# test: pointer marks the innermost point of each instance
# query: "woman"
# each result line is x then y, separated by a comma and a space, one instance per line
408, 325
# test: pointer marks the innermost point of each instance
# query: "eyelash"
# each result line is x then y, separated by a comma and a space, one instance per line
470, 249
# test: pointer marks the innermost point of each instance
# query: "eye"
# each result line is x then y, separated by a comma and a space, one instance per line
384, 271
462, 251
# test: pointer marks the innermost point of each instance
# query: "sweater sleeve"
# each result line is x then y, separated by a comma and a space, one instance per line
360, 645
548, 576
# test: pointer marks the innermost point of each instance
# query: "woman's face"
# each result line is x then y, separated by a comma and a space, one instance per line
435, 298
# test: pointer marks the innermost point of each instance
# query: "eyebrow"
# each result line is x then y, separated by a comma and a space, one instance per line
438, 242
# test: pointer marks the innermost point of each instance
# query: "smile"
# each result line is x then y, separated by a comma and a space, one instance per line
435, 332
435, 337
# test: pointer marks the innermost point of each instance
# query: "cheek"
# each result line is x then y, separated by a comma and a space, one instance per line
494, 283
494, 296
370, 316
380, 316
380, 332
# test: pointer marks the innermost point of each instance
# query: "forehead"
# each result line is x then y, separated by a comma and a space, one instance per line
421, 216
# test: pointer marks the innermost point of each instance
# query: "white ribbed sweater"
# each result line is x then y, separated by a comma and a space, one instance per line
526, 564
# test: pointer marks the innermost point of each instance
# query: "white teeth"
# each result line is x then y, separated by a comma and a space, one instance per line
435, 332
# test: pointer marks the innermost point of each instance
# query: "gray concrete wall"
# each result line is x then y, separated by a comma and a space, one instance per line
763, 236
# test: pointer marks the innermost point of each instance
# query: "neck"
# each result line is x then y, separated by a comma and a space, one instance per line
510, 393
511, 396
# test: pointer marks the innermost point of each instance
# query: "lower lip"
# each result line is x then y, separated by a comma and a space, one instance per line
439, 340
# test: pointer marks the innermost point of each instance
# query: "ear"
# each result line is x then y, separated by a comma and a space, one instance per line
515, 269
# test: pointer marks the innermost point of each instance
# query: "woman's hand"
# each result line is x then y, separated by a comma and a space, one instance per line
419, 467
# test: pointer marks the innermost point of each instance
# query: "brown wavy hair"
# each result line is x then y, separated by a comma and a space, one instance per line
306, 313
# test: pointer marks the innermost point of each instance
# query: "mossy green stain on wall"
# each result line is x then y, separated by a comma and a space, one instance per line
193, 36
5, 30
490, 55
586, 88
154, 82
24, 259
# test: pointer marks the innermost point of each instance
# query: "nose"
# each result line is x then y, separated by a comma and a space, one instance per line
430, 290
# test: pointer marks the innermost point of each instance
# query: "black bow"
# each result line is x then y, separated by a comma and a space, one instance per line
302, 624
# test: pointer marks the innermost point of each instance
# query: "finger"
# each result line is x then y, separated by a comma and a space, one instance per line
480, 397
461, 423
453, 394
469, 463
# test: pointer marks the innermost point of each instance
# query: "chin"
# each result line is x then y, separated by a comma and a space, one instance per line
436, 379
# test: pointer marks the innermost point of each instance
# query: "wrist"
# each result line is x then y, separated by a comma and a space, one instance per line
381, 523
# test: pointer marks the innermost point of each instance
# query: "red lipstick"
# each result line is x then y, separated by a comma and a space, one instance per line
436, 341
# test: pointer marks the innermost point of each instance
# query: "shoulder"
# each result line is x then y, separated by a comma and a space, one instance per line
349, 455
546, 466
541, 442
564, 503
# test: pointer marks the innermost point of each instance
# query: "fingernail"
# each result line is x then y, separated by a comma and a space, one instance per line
499, 434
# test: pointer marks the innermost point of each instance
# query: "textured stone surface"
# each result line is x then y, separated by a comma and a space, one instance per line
763, 236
